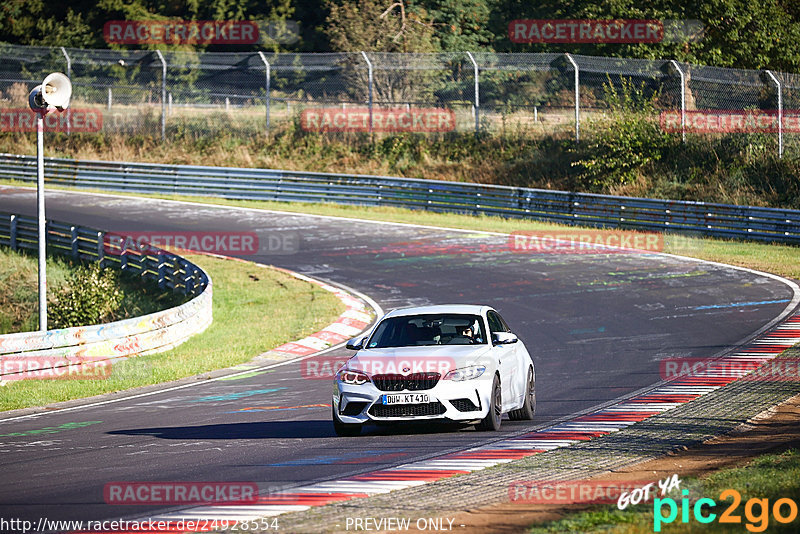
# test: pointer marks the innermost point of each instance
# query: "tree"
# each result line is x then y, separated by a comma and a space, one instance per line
378, 26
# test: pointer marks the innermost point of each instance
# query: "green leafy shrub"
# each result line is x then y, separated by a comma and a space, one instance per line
90, 296
615, 154
618, 149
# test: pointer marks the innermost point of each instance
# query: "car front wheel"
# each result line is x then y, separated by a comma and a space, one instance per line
344, 429
495, 415
528, 409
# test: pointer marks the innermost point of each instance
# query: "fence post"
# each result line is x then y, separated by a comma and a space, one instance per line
162, 279
101, 253
780, 112
369, 75
266, 85
163, 95
74, 241
123, 255
477, 94
69, 75
188, 278
683, 97
12, 232
577, 98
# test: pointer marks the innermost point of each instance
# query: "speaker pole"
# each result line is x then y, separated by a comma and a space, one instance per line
52, 95
42, 223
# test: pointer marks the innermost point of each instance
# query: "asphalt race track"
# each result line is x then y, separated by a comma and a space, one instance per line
596, 324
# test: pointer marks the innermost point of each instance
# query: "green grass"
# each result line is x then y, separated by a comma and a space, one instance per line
771, 476
255, 309
19, 298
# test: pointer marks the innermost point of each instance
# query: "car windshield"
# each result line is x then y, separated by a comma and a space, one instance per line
434, 329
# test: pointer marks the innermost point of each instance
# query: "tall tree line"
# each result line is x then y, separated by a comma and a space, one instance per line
738, 33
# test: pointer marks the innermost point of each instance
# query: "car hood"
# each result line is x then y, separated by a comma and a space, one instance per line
427, 358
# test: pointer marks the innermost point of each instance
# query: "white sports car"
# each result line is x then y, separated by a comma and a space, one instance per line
454, 362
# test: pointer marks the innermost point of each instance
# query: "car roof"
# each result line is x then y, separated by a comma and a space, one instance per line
465, 309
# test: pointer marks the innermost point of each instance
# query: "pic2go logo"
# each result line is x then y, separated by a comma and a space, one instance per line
757, 521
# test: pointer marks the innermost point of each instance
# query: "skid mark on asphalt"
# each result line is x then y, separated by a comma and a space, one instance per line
741, 304
279, 408
236, 395
355, 457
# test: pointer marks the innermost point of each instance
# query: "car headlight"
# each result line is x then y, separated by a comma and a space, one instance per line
465, 373
349, 376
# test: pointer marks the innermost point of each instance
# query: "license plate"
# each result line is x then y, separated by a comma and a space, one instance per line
406, 398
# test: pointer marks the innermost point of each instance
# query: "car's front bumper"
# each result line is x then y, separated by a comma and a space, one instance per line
467, 400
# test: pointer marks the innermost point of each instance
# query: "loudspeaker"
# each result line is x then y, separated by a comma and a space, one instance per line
55, 92
35, 100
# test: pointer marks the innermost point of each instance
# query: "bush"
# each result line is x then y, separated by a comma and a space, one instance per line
616, 153
620, 147
90, 296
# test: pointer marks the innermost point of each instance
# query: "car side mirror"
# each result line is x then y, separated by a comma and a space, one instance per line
357, 343
503, 338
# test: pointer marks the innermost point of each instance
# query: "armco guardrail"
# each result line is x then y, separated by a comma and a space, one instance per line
68, 351
700, 218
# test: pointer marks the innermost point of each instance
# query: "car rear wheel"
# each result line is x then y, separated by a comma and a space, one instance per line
344, 429
529, 407
495, 415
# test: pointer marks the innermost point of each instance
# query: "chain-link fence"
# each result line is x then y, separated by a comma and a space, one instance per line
171, 94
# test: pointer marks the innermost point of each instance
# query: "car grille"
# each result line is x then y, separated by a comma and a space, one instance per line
407, 410
412, 382
464, 405
354, 408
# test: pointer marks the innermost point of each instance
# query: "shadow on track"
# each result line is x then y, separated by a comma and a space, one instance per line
282, 429
257, 430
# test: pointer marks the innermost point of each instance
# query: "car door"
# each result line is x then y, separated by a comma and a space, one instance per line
507, 361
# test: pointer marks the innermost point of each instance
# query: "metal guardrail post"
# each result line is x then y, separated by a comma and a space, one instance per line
69, 75
370, 79
780, 112
163, 95
683, 97
101, 253
74, 240
188, 277
577, 98
162, 279
477, 94
123, 255
12, 238
266, 84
